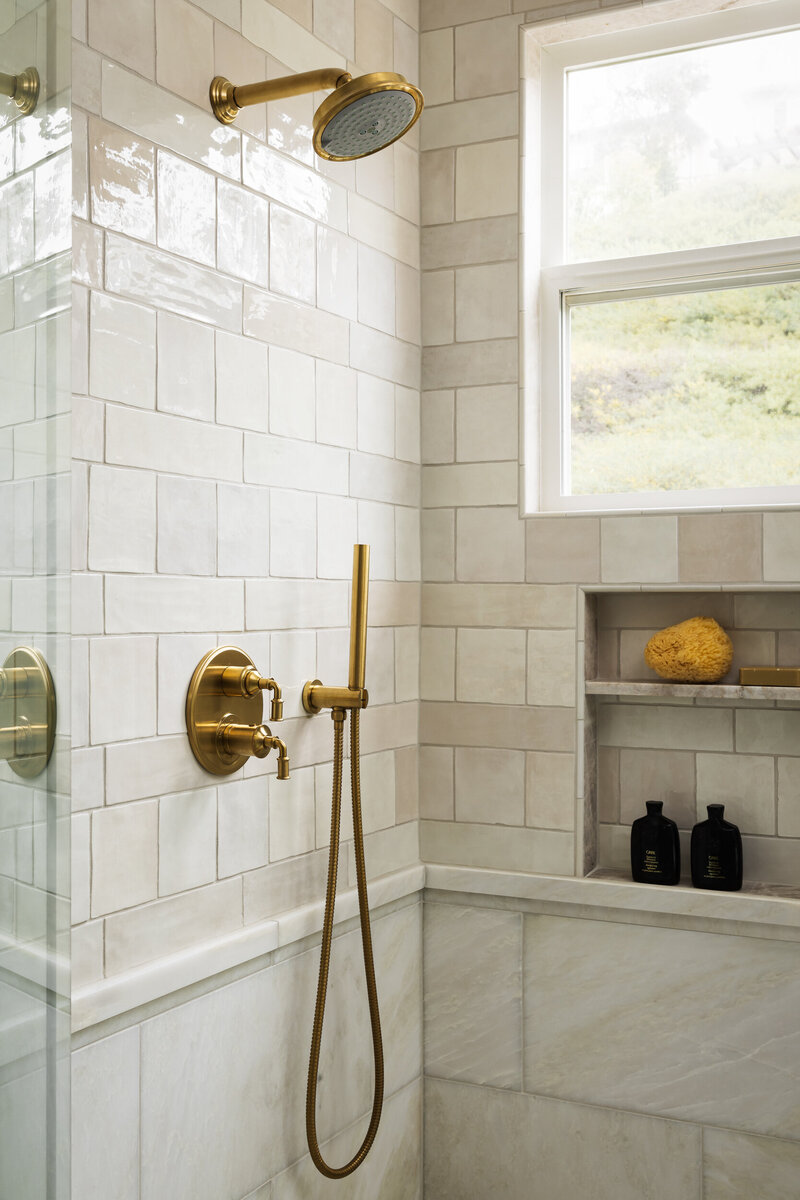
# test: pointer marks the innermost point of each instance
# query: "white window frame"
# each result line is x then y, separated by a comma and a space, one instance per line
550, 287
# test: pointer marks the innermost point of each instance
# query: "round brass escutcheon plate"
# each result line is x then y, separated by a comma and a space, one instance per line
223, 105
33, 704
207, 708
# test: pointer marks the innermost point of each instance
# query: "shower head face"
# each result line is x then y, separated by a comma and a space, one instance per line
365, 115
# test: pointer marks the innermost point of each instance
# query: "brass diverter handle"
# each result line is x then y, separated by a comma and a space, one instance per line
27, 712
224, 711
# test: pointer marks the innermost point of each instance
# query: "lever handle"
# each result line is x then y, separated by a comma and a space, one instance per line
255, 741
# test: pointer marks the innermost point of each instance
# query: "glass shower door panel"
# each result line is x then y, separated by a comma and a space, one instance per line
35, 390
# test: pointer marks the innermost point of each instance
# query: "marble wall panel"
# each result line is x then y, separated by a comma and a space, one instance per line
482, 1142
473, 995
691, 1025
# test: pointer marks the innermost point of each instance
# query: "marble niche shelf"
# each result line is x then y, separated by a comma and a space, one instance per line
710, 691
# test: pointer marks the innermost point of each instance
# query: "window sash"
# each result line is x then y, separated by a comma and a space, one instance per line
562, 285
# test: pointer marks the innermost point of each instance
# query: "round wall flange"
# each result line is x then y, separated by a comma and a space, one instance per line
208, 708
29, 703
26, 96
223, 104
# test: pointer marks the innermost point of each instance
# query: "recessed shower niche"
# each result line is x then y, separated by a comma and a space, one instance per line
690, 745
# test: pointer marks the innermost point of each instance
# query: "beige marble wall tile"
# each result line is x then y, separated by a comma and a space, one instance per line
487, 304
719, 547
609, 1037
105, 1131
486, 178
561, 550
490, 666
608, 800
487, 421
551, 667
789, 797
493, 239
499, 604
438, 544
737, 1166
666, 775
469, 484
490, 786
490, 545
494, 361
782, 546
502, 725
487, 57
499, 848
481, 1142
436, 783
639, 549
437, 183
744, 783
473, 995
438, 426
550, 790
767, 731
438, 307
436, 66
469, 122
437, 664
666, 728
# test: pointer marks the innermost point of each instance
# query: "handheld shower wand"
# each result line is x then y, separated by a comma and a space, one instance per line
316, 697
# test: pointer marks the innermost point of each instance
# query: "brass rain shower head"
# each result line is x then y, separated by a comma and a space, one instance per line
23, 89
360, 117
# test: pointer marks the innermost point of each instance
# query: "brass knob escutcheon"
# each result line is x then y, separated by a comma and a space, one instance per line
224, 713
27, 712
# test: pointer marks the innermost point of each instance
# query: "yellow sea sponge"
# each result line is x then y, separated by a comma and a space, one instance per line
694, 651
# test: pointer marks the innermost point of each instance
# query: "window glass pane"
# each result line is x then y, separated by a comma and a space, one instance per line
698, 147
698, 390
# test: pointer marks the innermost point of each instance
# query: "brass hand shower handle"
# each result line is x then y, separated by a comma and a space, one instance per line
338, 699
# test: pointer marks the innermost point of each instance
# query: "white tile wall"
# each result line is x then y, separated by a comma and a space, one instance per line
247, 407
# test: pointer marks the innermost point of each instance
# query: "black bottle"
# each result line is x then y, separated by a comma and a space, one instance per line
655, 847
717, 853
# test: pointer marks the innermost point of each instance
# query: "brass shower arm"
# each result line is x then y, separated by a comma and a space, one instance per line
227, 98
23, 89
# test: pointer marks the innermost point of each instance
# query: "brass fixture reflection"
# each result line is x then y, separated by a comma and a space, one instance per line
224, 710
23, 89
354, 696
27, 712
360, 117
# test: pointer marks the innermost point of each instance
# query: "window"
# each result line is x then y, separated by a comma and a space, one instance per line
669, 264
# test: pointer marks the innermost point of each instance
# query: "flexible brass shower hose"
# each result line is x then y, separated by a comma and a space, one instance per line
325, 955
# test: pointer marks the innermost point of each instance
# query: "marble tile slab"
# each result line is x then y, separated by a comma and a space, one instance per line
482, 1143
692, 1025
392, 1170
473, 995
224, 1076
737, 1166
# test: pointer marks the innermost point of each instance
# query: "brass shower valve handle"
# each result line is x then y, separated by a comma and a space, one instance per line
224, 713
246, 681
255, 741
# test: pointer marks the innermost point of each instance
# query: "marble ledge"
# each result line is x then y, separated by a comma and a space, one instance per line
751, 907
709, 691
121, 993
